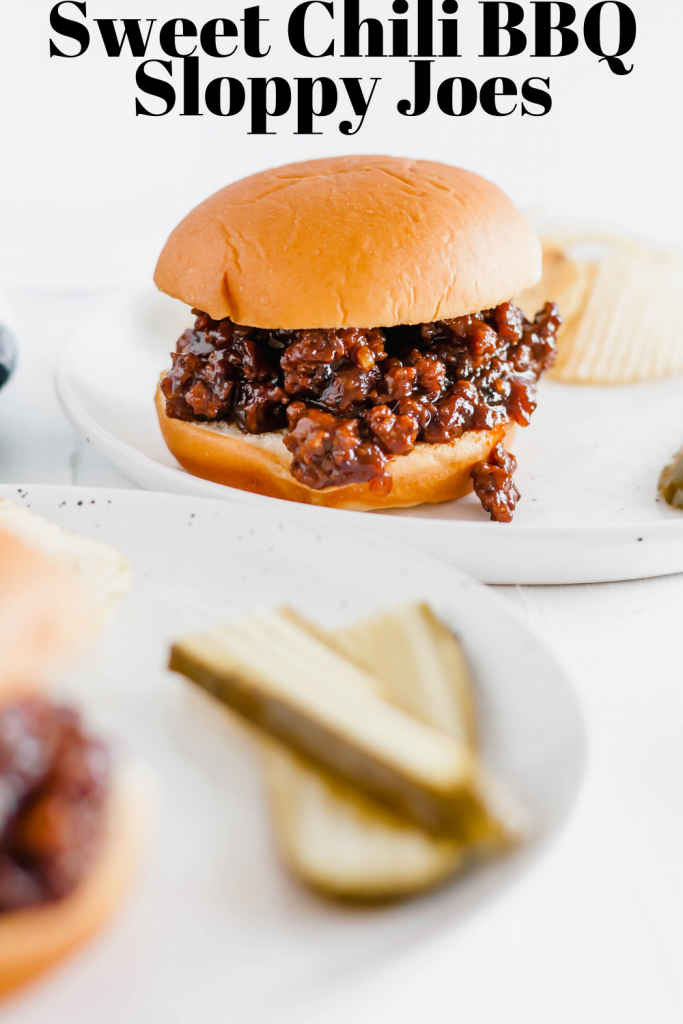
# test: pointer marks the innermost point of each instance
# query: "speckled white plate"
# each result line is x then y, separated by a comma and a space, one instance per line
588, 464
216, 930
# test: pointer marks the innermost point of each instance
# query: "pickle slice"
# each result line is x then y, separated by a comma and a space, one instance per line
420, 663
671, 483
347, 846
292, 685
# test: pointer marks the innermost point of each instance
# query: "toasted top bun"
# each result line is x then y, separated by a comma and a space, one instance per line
44, 620
355, 241
101, 572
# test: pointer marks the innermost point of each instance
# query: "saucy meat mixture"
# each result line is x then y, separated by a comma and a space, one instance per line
353, 399
54, 782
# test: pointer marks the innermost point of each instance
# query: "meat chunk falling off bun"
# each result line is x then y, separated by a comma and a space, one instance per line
355, 342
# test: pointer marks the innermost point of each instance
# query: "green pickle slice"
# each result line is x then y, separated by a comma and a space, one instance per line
671, 483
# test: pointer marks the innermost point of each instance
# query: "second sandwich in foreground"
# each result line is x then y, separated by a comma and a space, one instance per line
69, 821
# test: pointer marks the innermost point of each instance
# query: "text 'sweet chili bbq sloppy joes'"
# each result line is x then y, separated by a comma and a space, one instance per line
355, 342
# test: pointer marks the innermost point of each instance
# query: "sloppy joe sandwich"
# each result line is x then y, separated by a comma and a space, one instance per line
355, 343
68, 824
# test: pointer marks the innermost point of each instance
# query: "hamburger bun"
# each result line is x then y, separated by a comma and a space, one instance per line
260, 463
45, 620
354, 241
101, 573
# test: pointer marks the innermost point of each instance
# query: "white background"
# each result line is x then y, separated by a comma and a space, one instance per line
90, 191
89, 194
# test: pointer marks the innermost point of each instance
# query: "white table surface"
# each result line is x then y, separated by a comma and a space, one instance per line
595, 934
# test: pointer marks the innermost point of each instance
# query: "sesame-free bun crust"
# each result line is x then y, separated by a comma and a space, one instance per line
33, 940
260, 463
101, 574
44, 619
356, 241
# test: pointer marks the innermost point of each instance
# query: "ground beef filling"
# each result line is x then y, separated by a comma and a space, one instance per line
54, 782
494, 486
352, 399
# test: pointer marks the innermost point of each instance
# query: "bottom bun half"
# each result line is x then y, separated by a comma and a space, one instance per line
33, 940
260, 463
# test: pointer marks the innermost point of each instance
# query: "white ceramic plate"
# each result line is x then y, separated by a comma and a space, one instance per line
216, 930
588, 465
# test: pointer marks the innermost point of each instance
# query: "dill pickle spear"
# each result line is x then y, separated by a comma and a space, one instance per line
298, 689
349, 847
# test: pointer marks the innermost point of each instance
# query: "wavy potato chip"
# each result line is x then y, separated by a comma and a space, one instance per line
618, 305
